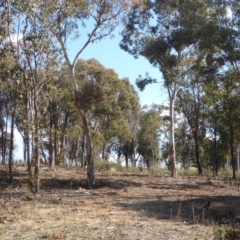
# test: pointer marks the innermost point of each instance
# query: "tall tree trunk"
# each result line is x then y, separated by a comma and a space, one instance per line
50, 147
36, 162
119, 157
83, 149
55, 146
90, 161
238, 147
232, 148
126, 159
4, 153
215, 148
36, 137
172, 139
24, 150
197, 154
4, 140
11, 148
77, 152
103, 150
63, 144
27, 135
28, 154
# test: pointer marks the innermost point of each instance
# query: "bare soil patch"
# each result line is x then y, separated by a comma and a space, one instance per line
123, 205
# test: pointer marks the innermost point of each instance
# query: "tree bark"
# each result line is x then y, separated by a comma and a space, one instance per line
90, 161
55, 146
197, 154
231, 129
215, 149
126, 159
172, 139
50, 147
4, 149
63, 140
82, 154
36, 136
10, 161
103, 150
77, 152
237, 157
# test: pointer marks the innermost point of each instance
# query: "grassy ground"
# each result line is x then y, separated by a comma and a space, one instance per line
123, 205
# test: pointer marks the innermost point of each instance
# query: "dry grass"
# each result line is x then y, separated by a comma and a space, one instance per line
123, 205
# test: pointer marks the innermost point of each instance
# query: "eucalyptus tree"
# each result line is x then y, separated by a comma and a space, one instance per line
222, 43
226, 90
10, 76
30, 53
149, 137
59, 117
129, 102
192, 105
164, 32
107, 101
61, 21
219, 43
6, 65
184, 143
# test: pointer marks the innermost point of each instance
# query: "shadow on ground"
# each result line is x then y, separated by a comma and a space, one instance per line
223, 210
56, 183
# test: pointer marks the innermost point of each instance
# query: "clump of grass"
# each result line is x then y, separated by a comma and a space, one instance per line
135, 170
117, 166
157, 170
101, 164
227, 234
225, 172
187, 172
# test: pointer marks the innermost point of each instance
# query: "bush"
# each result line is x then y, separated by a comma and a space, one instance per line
187, 172
158, 170
101, 164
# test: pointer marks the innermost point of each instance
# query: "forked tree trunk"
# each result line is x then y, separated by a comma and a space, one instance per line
89, 146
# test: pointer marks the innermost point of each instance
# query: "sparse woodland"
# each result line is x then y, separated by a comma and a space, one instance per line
75, 115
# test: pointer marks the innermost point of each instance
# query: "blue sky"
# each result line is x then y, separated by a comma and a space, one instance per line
110, 55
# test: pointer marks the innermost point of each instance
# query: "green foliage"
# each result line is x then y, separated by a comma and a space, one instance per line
101, 164
157, 170
143, 82
107, 100
187, 172
148, 137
